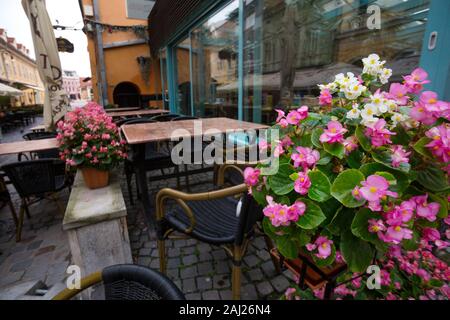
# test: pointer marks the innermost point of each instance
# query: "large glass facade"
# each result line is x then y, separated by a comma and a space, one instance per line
243, 61
293, 45
214, 64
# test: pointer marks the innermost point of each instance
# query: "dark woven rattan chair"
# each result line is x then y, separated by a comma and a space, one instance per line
45, 154
165, 117
34, 181
215, 217
5, 198
128, 282
157, 157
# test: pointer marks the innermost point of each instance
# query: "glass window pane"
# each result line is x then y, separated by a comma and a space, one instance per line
293, 45
215, 64
183, 80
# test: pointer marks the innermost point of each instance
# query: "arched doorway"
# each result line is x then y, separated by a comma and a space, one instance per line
127, 94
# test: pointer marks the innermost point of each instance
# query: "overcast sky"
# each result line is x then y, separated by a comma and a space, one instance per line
67, 12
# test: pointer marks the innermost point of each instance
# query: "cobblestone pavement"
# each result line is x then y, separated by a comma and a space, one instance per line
43, 254
201, 271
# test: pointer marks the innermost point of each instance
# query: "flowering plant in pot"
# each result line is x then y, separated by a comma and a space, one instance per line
89, 140
364, 181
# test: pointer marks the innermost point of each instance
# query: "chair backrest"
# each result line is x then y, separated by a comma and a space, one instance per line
184, 118
134, 282
34, 177
165, 117
38, 135
138, 120
50, 153
250, 214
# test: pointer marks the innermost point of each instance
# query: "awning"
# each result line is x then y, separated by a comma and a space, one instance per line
34, 87
9, 91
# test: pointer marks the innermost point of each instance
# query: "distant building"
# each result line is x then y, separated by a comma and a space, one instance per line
86, 91
18, 70
71, 84
123, 73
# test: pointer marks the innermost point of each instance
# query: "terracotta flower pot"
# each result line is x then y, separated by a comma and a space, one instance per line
95, 178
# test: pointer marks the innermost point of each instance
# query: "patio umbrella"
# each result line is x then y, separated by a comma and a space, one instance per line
56, 100
9, 91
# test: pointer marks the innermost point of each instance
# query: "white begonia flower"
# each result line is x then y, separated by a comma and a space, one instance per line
377, 99
383, 108
384, 75
354, 90
354, 113
369, 111
369, 122
392, 105
373, 65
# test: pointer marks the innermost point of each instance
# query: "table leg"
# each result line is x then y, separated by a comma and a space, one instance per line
141, 179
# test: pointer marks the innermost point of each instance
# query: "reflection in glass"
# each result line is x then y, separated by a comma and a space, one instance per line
183, 81
214, 64
293, 45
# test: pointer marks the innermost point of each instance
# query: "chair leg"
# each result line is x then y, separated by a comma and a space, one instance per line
13, 213
236, 273
162, 256
270, 246
26, 209
20, 222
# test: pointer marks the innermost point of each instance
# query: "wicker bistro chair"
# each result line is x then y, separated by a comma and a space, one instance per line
157, 157
128, 282
45, 154
214, 217
165, 117
34, 181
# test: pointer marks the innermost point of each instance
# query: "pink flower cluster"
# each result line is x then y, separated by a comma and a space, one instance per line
293, 117
251, 176
378, 134
350, 144
334, 133
322, 246
428, 108
440, 144
415, 81
305, 157
399, 156
394, 227
88, 137
325, 98
281, 214
374, 189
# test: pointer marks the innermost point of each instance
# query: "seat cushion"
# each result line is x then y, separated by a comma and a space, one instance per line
216, 220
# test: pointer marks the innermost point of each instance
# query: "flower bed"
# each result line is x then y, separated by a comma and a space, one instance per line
363, 182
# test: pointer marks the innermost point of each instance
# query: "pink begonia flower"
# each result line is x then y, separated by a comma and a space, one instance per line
375, 188
280, 115
305, 157
440, 144
424, 209
286, 142
374, 206
325, 98
334, 133
281, 214
399, 156
378, 134
350, 144
296, 210
339, 257
415, 81
356, 193
278, 150
420, 114
395, 234
251, 176
289, 293
376, 226
385, 278
323, 246
440, 244
422, 273
430, 234
263, 144
406, 209
303, 111
394, 217
399, 93
283, 123
294, 117
302, 183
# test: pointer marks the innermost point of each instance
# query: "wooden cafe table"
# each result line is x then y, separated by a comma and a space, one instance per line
28, 146
137, 135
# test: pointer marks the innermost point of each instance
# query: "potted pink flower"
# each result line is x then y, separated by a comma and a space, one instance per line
89, 140
363, 183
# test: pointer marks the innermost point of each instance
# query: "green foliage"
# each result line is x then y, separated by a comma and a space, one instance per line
343, 186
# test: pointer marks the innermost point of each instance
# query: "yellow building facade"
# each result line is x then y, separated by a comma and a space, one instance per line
18, 70
123, 72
